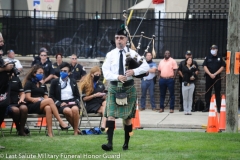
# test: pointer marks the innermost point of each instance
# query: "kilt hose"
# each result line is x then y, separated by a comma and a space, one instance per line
117, 111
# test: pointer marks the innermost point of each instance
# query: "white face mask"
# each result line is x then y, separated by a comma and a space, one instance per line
213, 52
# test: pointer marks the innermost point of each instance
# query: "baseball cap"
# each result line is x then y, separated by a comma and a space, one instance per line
188, 52
214, 46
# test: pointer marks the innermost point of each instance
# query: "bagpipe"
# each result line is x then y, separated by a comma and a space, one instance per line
132, 62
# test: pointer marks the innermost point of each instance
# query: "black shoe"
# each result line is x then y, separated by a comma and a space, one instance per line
206, 110
64, 128
181, 109
26, 130
107, 147
125, 147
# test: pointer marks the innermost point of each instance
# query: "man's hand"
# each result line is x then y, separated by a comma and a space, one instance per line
212, 76
129, 73
122, 78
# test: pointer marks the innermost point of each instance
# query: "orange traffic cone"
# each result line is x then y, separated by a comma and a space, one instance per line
222, 121
41, 121
215, 108
13, 125
136, 120
212, 126
3, 125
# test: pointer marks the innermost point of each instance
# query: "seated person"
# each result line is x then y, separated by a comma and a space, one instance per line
37, 98
57, 64
65, 94
17, 108
93, 93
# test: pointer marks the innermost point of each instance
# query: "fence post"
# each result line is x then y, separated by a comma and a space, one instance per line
34, 33
95, 50
210, 12
159, 38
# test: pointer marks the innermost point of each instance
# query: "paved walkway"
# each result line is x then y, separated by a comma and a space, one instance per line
176, 120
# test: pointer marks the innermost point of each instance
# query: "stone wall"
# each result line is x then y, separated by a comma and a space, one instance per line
88, 63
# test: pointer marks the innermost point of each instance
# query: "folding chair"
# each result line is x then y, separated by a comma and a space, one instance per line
41, 116
84, 116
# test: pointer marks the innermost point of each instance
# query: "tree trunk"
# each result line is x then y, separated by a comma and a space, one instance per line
232, 80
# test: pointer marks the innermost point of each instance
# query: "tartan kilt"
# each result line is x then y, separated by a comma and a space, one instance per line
117, 111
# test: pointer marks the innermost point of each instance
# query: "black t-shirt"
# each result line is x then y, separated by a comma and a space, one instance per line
182, 63
77, 72
187, 73
31, 87
213, 63
16, 88
99, 87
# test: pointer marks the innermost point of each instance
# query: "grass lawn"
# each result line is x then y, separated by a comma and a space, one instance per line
144, 144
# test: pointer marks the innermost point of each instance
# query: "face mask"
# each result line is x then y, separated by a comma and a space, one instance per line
63, 75
213, 52
96, 78
39, 77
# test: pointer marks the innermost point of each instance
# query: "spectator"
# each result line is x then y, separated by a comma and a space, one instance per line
37, 98
213, 66
77, 70
188, 71
167, 73
4, 82
182, 63
17, 108
65, 94
93, 93
147, 83
46, 64
57, 64
11, 58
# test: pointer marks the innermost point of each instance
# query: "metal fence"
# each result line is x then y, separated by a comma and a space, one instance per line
92, 35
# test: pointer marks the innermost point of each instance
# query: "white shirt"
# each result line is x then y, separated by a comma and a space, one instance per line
111, 64
66, 93
17, 62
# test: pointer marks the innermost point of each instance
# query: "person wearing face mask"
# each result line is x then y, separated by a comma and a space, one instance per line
93, 93
167, 72
147, 83
213, 66
65, 94
36, 96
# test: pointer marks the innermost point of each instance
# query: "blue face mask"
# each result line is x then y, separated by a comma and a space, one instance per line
39, 77
63, 75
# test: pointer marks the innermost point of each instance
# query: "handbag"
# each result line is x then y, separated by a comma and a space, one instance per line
121, 98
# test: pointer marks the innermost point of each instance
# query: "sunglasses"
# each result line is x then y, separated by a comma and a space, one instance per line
74, 58
64, 71
43, 55
121, 38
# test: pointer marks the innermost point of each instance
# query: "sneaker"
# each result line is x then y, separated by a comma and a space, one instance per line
171, 110
142, 109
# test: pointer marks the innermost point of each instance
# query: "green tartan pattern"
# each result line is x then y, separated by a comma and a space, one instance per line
117, 111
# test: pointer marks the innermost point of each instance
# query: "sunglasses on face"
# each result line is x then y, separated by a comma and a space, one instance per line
74, 58
43, 55
121, 38
64, 71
